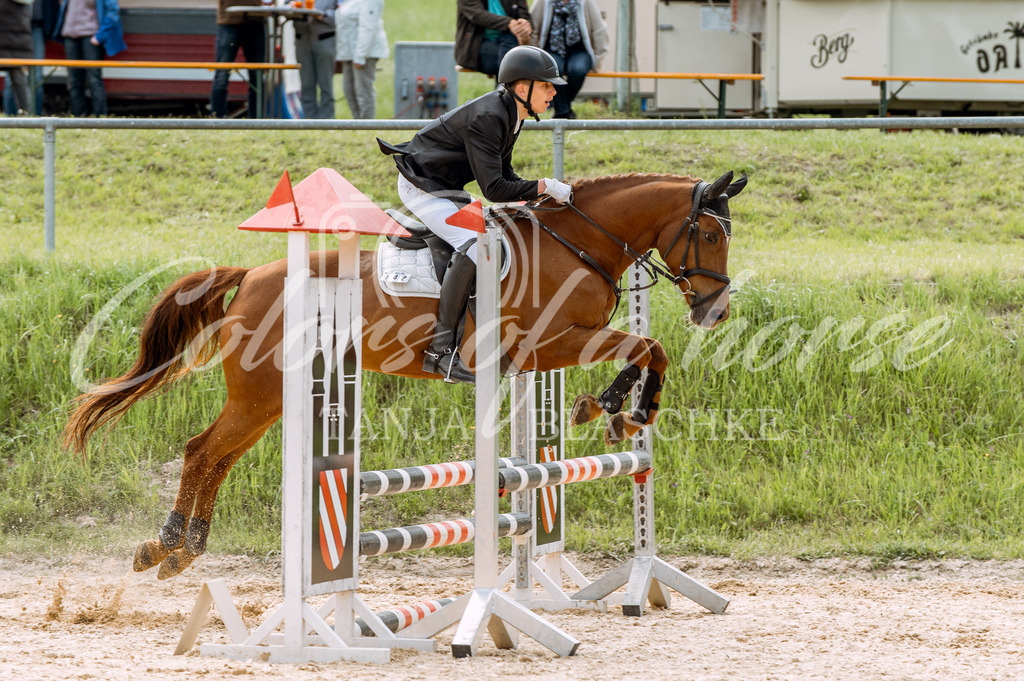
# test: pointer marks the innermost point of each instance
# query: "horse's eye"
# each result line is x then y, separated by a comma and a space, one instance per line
711, 237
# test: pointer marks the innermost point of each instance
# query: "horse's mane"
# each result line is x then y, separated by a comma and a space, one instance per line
584, 184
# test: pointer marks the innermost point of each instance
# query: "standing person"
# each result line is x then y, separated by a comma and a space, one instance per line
473, 142
314, 50
16, 43
236, 31
486, 30
361, 44
576, 35
44, 16
90, 29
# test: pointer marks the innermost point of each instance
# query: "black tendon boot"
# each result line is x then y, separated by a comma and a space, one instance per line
442, 357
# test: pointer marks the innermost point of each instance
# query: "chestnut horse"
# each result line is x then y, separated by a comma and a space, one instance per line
559, 296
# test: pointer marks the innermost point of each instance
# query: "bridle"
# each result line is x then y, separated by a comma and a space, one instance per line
652, 267
693, 237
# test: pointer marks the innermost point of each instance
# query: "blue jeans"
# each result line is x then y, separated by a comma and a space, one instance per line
493, 51
79, 79
38, 52
251, 37
574, 67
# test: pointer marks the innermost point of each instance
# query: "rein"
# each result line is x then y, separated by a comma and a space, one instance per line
652, 267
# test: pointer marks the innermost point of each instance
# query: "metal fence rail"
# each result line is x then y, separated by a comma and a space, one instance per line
558, 128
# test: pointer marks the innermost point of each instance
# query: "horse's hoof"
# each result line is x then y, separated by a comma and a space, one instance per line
150, 552
615, 431
175, 564
584, 410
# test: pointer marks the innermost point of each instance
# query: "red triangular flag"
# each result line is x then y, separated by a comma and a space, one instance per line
469, 217
282, 192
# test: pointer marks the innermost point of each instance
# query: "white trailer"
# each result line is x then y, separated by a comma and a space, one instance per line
804, 48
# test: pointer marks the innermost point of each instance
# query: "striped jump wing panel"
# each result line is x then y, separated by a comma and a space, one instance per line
333, 517
547, 495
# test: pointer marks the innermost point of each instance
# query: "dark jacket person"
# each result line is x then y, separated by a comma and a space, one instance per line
485, 30
16, 43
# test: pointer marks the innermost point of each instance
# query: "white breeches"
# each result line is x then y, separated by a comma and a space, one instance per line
433, 211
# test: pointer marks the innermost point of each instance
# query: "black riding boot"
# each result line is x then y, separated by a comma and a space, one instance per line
442, 357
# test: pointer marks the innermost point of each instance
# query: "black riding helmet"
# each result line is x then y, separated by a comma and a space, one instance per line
531, 63
527, 62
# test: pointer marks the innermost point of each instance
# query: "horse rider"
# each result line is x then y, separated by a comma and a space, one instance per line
473, 142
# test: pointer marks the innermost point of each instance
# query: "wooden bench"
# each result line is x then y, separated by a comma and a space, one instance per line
884, 99
463, 69
722, 78
113, 63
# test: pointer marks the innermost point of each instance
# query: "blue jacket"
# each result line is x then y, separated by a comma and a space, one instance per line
109, 34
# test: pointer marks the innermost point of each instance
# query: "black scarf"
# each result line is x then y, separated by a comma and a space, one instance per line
565, 27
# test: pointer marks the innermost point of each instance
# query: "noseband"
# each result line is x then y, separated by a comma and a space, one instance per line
690, 226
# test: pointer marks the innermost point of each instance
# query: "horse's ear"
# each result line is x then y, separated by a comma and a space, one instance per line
718, 186
736, 187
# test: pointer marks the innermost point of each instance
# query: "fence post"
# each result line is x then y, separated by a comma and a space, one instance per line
49, 186
623, 43
558, 150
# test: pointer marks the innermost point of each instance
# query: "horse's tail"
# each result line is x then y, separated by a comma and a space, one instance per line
178, 336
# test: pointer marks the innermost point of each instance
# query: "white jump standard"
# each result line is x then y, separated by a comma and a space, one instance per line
538, 422
487, 608
645, 574
322, 352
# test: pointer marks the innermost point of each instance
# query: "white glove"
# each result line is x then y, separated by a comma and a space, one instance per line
559, 191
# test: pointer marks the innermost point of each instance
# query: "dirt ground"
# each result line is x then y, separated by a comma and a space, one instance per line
92, 618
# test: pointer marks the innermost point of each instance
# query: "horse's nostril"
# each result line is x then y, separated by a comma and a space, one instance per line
715, 316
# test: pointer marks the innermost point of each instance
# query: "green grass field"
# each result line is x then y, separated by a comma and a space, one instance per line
864, 398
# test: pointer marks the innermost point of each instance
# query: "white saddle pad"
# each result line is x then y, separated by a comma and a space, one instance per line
405, 273
410, 274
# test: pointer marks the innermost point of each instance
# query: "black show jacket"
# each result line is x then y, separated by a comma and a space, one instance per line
471, 142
